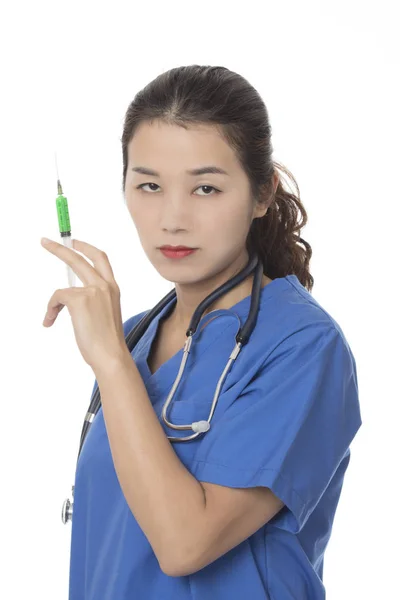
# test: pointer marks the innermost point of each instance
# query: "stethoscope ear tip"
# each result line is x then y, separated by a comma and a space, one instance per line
201, 426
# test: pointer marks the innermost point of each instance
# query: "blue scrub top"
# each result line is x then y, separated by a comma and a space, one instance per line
287, 413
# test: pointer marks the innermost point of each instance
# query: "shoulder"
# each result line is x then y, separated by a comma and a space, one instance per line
297, 312
290, 323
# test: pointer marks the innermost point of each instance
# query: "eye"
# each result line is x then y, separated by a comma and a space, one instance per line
142, 184
211, 187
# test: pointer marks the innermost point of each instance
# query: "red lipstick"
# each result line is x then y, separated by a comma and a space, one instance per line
177, 251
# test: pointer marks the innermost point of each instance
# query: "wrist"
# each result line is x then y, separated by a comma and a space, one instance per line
113, 363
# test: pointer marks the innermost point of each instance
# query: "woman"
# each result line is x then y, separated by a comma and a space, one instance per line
245, 510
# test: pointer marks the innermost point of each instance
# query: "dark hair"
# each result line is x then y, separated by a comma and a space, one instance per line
216, 96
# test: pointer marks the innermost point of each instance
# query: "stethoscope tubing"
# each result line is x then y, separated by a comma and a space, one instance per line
133, 337
139, 329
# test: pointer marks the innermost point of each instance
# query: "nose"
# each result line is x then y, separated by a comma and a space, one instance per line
175, 213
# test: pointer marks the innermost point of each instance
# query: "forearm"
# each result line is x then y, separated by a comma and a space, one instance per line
164, 497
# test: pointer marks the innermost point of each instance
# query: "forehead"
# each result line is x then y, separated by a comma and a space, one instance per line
158, 142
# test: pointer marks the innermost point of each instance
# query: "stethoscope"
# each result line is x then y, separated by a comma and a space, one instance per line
133, 337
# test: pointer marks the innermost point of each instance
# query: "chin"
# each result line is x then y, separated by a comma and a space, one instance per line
181, 274
179, 278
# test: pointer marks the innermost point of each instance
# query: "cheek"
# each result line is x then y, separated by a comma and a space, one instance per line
227, 221
141, 213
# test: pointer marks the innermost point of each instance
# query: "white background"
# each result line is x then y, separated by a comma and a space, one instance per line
328, 73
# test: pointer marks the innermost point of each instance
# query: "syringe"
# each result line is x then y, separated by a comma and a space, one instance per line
64, 224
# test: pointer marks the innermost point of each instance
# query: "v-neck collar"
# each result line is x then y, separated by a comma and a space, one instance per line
156, 382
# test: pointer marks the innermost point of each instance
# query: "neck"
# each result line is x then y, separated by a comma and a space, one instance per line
189, 296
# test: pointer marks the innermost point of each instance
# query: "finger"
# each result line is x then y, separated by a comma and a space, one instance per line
50, 318
52, 313
86, 273
56, 303
98, 258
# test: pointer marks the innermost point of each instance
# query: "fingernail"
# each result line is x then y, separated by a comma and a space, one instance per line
45, 240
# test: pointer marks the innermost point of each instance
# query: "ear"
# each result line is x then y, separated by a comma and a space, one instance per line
275, 181
261, 208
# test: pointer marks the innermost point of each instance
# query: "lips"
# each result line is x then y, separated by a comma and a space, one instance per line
176, 248
177, 251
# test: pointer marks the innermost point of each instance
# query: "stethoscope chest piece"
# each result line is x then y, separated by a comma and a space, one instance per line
67, 509
241, 338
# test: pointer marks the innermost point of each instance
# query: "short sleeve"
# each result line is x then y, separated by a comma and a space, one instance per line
291, 426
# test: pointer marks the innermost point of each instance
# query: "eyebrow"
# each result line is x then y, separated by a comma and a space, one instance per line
200, 171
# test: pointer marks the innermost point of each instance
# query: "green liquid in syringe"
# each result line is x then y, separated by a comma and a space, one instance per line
62, 212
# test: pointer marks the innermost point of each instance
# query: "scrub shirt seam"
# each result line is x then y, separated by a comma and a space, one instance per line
303, 295
268, 580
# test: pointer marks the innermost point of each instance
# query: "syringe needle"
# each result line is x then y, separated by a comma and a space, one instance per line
59, 188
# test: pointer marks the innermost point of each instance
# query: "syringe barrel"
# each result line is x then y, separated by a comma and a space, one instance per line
63, 214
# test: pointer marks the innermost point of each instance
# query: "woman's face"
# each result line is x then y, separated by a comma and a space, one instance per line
211, 212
